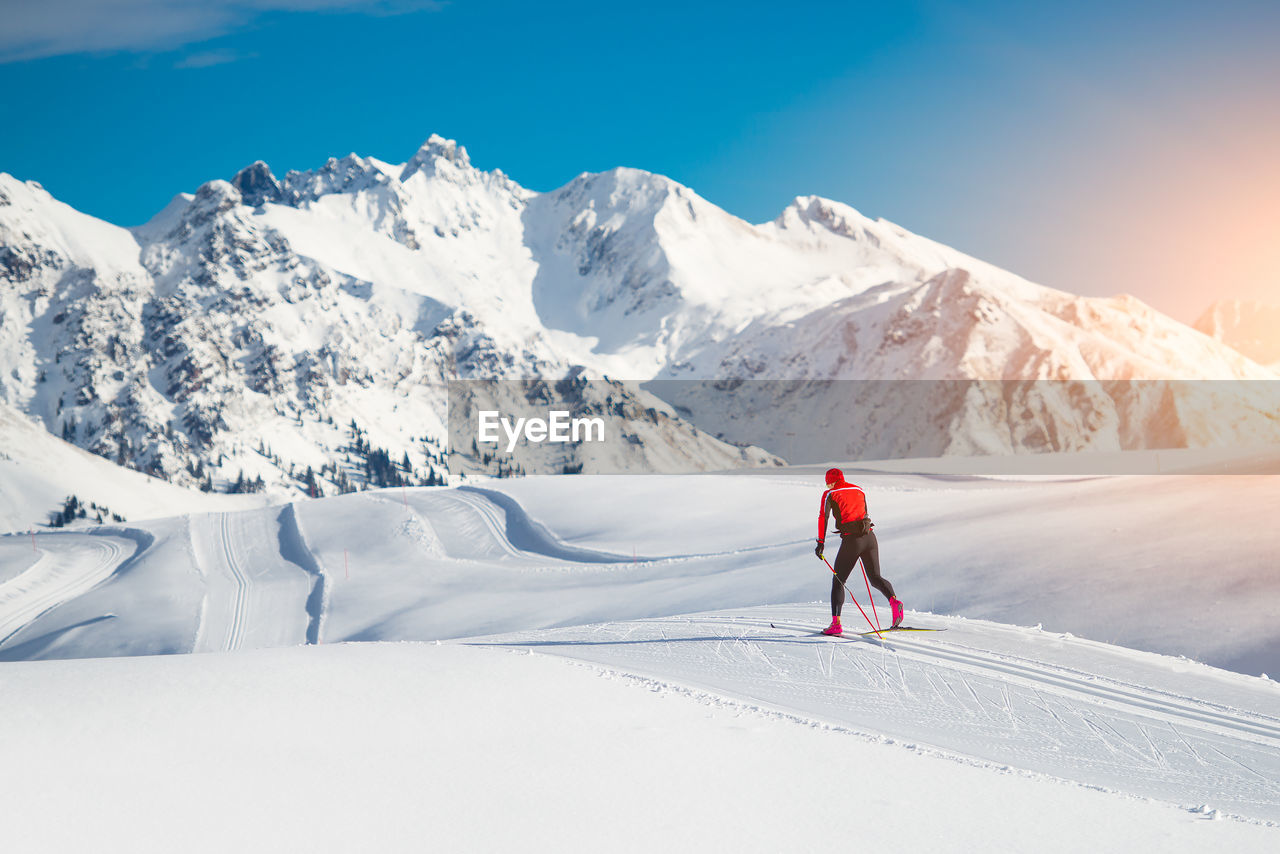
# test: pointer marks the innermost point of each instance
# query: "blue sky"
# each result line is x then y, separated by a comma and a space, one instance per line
1097, 147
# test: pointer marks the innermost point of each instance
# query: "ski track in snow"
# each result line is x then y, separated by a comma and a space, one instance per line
516, 534
69, 565
979, 693
483, 525
956, 696
254, 597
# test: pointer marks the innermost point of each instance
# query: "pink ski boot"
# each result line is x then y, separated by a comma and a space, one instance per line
834, 628
896, 607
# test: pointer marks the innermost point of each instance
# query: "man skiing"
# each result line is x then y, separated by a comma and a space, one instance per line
847, 503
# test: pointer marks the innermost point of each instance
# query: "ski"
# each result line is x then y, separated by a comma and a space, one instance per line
899, 629
853, 635
804, 630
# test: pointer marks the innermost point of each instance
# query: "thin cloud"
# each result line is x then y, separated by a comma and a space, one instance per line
35, 29
210, 58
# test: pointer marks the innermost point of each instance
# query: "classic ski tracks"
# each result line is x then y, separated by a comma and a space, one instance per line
240, 606
49, 582
251, 594
495, 521
1060, 680
490, 514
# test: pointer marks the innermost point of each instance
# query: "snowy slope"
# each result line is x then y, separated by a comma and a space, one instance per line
974, 361
425, 564
397, 747
38, 472
292, 342
1063, 707
1250, 327
667, 672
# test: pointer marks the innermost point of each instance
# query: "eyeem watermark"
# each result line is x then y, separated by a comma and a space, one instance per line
559, 427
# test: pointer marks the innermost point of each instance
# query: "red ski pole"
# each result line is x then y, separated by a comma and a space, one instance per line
851, 596
870, 598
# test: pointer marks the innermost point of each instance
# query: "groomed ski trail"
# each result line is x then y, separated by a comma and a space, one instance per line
473, 523
989, 694
254, 597
69, 565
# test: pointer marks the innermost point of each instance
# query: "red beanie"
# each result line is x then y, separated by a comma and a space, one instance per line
835, 476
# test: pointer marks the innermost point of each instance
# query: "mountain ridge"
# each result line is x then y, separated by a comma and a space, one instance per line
259, 325
1251, 327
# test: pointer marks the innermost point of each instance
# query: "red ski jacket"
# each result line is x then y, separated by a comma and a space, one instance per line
846, 501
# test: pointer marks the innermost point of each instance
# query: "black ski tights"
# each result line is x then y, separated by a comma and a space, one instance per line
852, 548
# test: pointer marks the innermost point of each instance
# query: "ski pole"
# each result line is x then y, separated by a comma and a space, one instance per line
870, 598
851, 596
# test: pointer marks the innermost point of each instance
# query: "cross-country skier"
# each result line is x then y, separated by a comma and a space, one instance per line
847, 503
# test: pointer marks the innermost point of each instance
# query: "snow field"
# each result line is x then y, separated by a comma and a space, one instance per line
981, 690
1178, 564
396, 747
70, 565
246, 580
712, 729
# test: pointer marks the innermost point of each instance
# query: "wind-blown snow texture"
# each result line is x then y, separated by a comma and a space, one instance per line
431, 563
398, 747
703, 592
270, 326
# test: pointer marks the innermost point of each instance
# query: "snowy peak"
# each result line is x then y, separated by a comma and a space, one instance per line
603, 269
283, 309
1252, 328
257, 185
620, 190
47, 232
14, 191
346, 175
808, 211
436, 151
216, 197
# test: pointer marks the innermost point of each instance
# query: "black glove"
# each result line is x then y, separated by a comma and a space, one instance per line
818, 550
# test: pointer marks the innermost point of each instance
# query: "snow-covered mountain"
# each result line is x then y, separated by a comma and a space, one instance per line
305, 341
299, 333
621, 428
1252, 328
42, 475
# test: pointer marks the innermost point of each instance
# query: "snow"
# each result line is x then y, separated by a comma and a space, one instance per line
84, 240
1106, 562
245, 576
38, 472
569, 659
1063, 707
396, 747
549, 663
1252, 328
79, 564
358, 289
